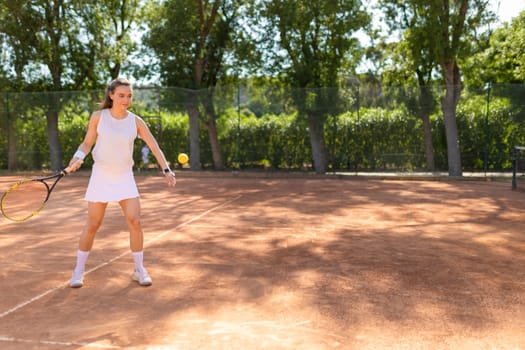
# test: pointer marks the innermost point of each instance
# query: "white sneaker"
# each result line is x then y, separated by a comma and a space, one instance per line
142, 277
77, 280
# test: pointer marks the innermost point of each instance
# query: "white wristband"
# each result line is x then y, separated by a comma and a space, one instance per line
79, 154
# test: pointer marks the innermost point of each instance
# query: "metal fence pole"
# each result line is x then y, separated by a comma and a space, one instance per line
238, 125
486, 160
514, 165
8, 130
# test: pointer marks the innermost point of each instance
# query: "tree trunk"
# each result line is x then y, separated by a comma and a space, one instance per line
317, 141
214, 143
448, 106
115, 70
55, 150
211, 125
193, 113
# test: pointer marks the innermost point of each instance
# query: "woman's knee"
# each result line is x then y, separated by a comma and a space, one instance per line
133, 221
92, 226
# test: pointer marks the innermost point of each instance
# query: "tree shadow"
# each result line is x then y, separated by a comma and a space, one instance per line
441, 257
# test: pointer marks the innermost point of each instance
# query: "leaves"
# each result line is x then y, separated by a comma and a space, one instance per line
317, 37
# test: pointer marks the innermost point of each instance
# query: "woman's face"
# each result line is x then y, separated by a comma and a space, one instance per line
122, 97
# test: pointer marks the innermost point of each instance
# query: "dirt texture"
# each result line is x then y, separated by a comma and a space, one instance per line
247, 262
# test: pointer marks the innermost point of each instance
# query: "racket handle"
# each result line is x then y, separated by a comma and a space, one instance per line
68, 170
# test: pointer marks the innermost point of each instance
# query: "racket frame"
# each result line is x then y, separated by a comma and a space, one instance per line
43, 180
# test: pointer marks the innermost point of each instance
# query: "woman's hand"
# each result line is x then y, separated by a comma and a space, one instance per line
170, 178
74, 164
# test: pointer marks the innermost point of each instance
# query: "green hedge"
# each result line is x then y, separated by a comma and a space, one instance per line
365, 138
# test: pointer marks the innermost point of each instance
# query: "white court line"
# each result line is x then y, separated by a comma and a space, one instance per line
324, 228
163, 234
286, 228
61, 343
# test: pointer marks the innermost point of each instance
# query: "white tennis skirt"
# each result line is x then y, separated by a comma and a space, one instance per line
106, 185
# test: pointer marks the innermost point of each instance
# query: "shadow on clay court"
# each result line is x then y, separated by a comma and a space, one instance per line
346, 254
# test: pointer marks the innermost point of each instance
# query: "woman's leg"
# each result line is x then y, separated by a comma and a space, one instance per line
96, 213
131, 209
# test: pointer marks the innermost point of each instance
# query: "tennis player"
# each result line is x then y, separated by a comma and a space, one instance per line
114, 129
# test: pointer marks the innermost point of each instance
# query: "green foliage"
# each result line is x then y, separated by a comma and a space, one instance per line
380, 142
501, 62
30, 136
170, 131
384, 137
272, 141
316, 37
191, 38
83, 44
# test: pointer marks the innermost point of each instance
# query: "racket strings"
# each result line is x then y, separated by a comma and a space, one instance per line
24, 200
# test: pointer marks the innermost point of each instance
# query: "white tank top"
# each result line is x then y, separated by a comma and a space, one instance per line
113, 149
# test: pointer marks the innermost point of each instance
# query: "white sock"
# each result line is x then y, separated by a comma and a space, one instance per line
138, 258
82, 257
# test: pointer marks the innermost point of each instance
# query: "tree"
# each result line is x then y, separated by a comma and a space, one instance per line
311, 42
15, 27
409, 68
69, 44
411, 62
100, 40
444, 29
501, 61
35, 31
191, 39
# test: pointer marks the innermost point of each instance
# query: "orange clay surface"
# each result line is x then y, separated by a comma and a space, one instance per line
240, 262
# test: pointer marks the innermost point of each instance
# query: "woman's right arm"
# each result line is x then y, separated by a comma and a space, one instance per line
87, 144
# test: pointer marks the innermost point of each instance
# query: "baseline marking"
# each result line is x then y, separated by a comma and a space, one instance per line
159, 236
61, 343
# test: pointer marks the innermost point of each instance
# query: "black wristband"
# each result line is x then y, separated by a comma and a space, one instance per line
167, 170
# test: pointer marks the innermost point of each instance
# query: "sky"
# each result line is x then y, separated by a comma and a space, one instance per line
507, 9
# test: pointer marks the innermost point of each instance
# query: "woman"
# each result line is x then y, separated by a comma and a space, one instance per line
114, 129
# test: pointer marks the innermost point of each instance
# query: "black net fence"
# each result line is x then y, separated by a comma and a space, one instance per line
360, 128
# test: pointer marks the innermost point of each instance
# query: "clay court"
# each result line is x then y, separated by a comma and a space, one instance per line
268, 262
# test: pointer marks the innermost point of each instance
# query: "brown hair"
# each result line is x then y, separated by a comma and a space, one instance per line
108, 102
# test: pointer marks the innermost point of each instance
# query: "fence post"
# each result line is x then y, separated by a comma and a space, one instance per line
238, 125
488, 86
360, 151
7, 130
514, 165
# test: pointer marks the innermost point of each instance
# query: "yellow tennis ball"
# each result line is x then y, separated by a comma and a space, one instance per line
183, 158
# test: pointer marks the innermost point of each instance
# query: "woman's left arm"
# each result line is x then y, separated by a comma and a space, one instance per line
144, 132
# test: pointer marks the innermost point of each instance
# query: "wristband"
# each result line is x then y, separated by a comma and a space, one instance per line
167, 170
79, 154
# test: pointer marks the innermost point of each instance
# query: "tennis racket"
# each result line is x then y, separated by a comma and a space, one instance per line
27, 198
